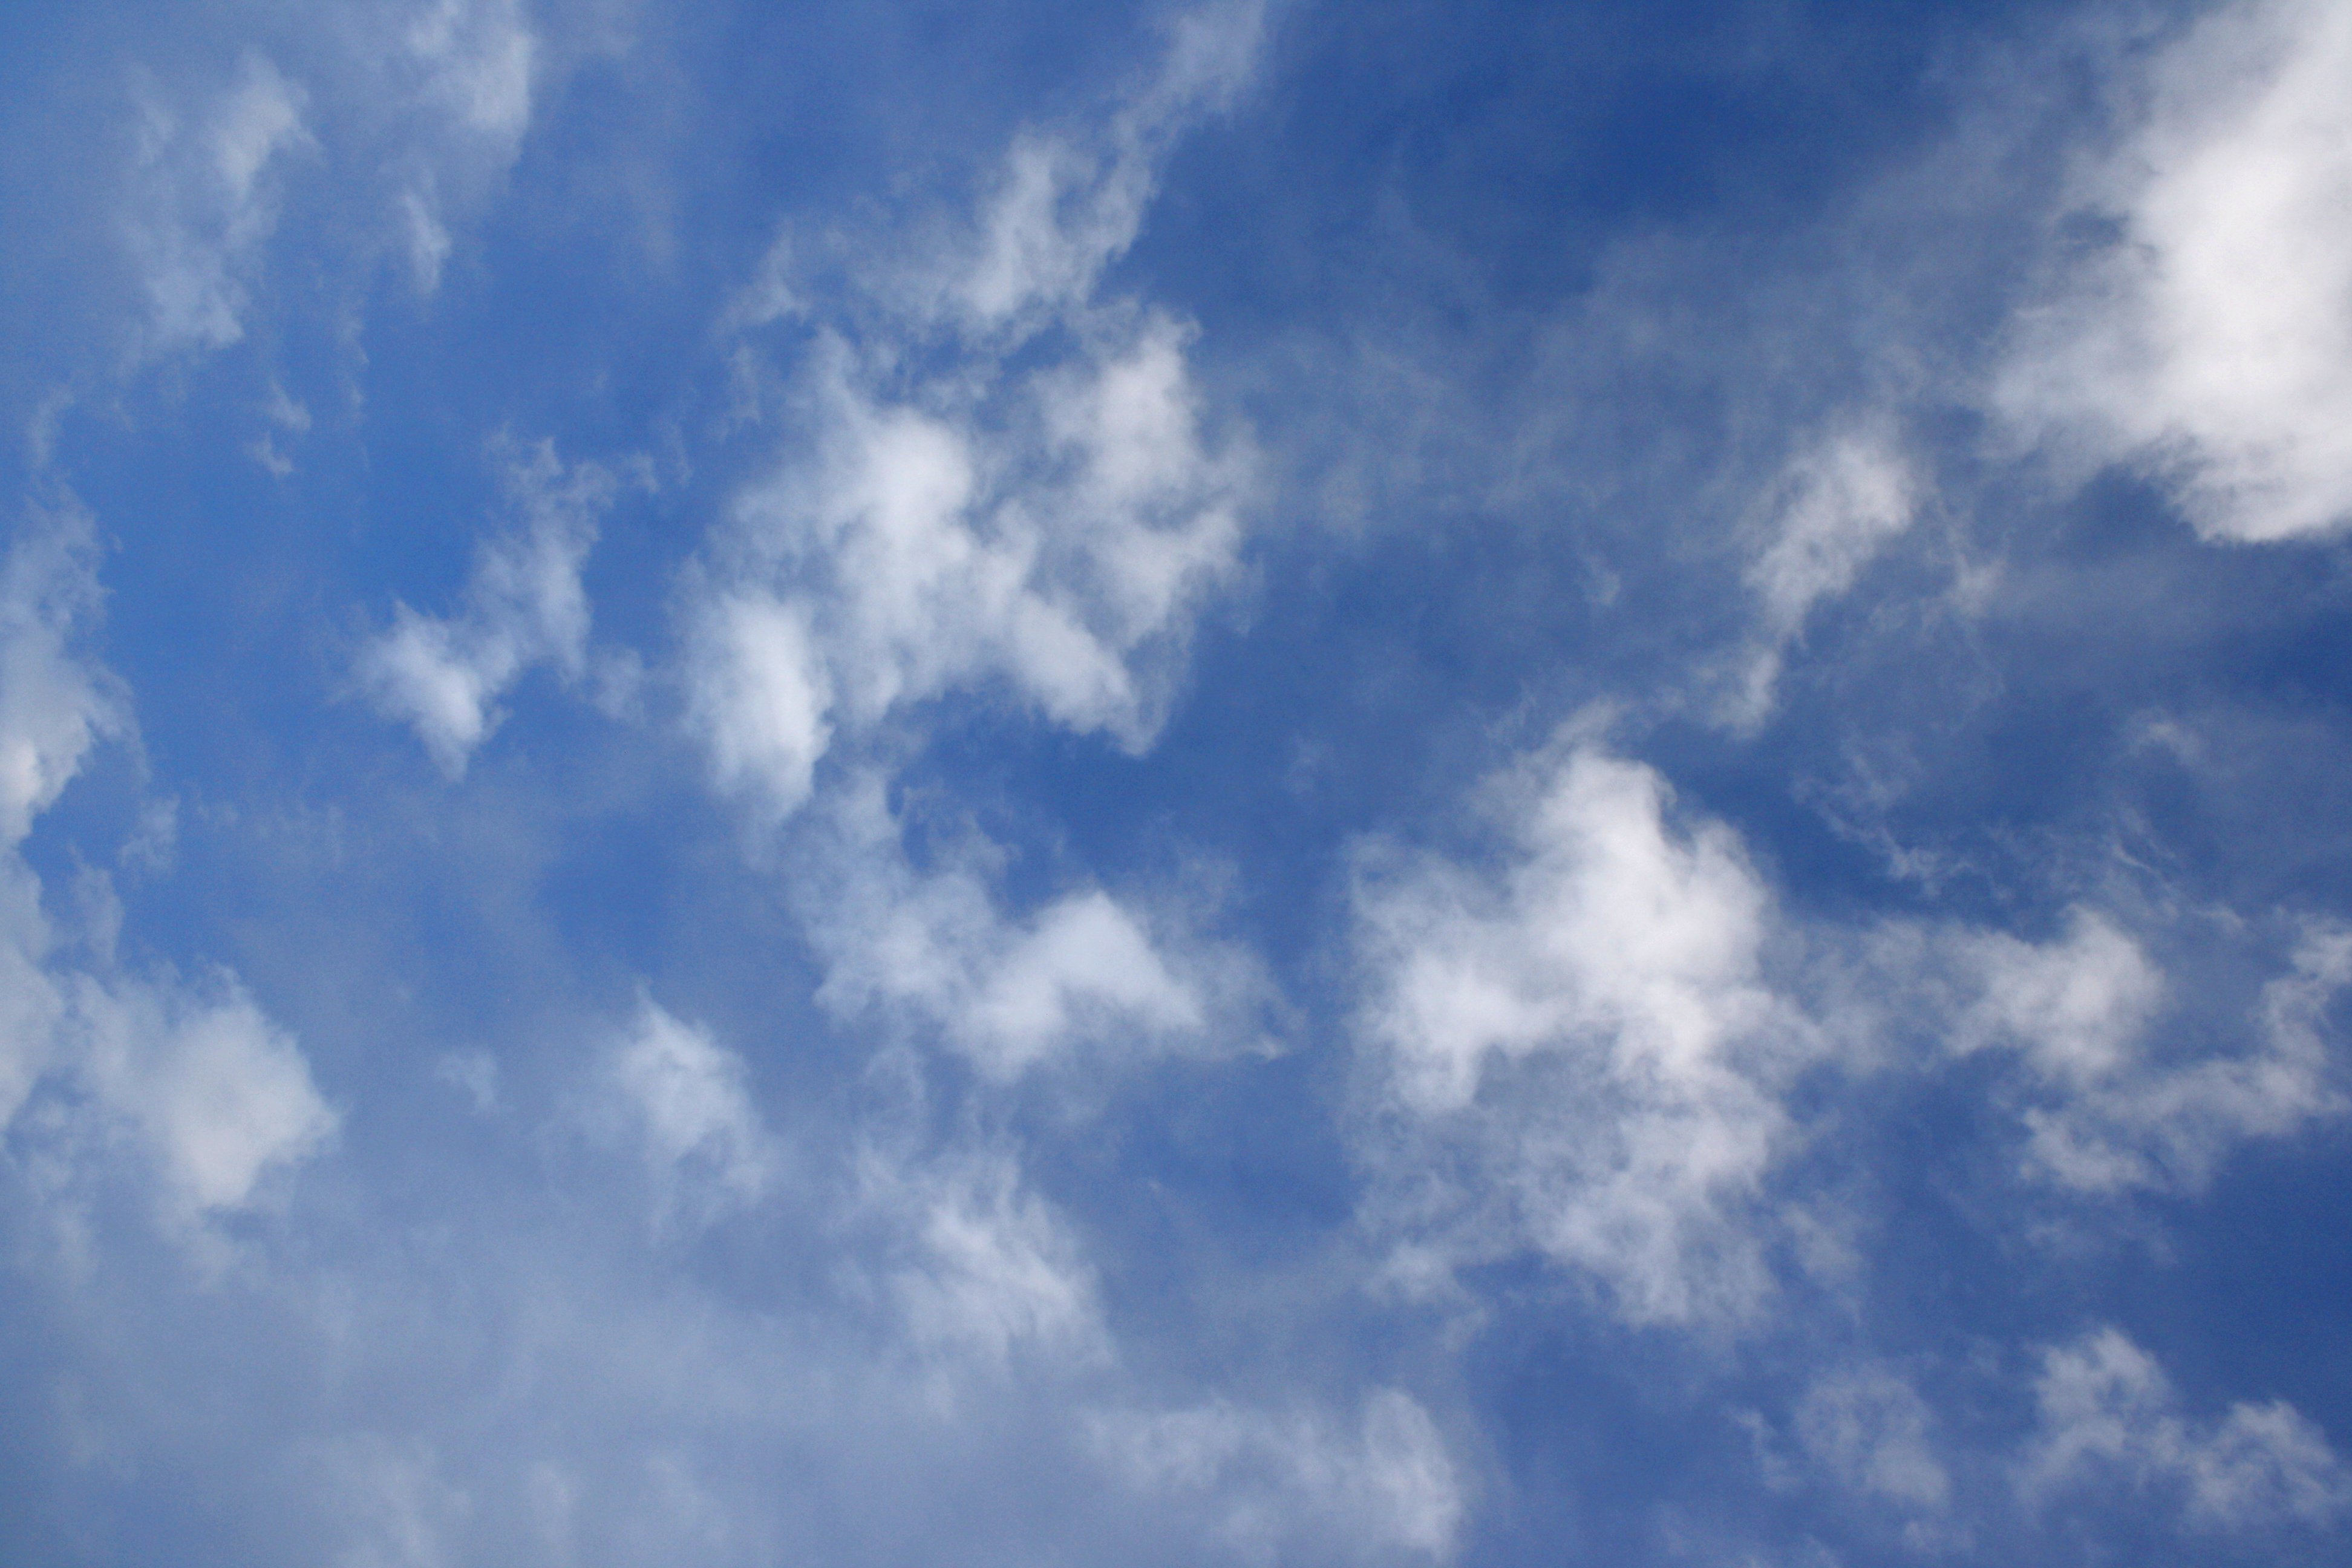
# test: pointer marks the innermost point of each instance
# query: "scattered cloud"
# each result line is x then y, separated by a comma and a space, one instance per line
911, 553
1592, 1019
937, 949
204, 201
1042, 523
1868, 1429
2111, 1113
688, 1098
2109, 1416
1586, 1046
2199, 330
1066, 203
218, 1096
54, 704
1772, 1044
987, 1269
524, 606
223, 1096
473, 65
1840, 500
1299, 1486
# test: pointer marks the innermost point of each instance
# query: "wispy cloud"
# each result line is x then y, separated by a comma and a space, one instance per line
524, 606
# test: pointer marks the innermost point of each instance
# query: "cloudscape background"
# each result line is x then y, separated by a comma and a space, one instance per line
1254, 782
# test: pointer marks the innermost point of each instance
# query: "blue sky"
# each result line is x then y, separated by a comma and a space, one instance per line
1242, 783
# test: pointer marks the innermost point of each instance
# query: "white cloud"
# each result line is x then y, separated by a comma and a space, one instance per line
472, 64
1870, 1431
524, 606
1839, 502
988, 1269
2076, 1006
1619, 957
1080, 954
203, 203
688, 1097
1009, 992
478, 56
1065, 205
221, 1096
910, 553
1584, 1047
759, 697
998, 487
1282, 1487
2209, 341
474, 1074
1044, 530
429, 244
218, 1096
2109, 1111
54, 705
2108, 1412
287, 417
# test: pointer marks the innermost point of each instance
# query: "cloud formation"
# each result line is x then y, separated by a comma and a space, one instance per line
203, 202
1022, 1035
686, 1095
522, 606
2113, 1113
215, 1096
1301, 1488
1839, 503
2109, 1416
2201, 333
937, 948
1592, 1018
1041, 525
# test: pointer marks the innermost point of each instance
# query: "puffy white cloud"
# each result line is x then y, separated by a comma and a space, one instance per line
759, 697
1618, 956
1286, 1487
937, 948
2109, 1111
688, 1097
2208, 338
2108, 1414
223, 1096
2076, 1006
478, 55
217, 1096
55, 705
1585, 1047
524, 606
204, 201
1044, 528
1841, 498
911, 553
997, 487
